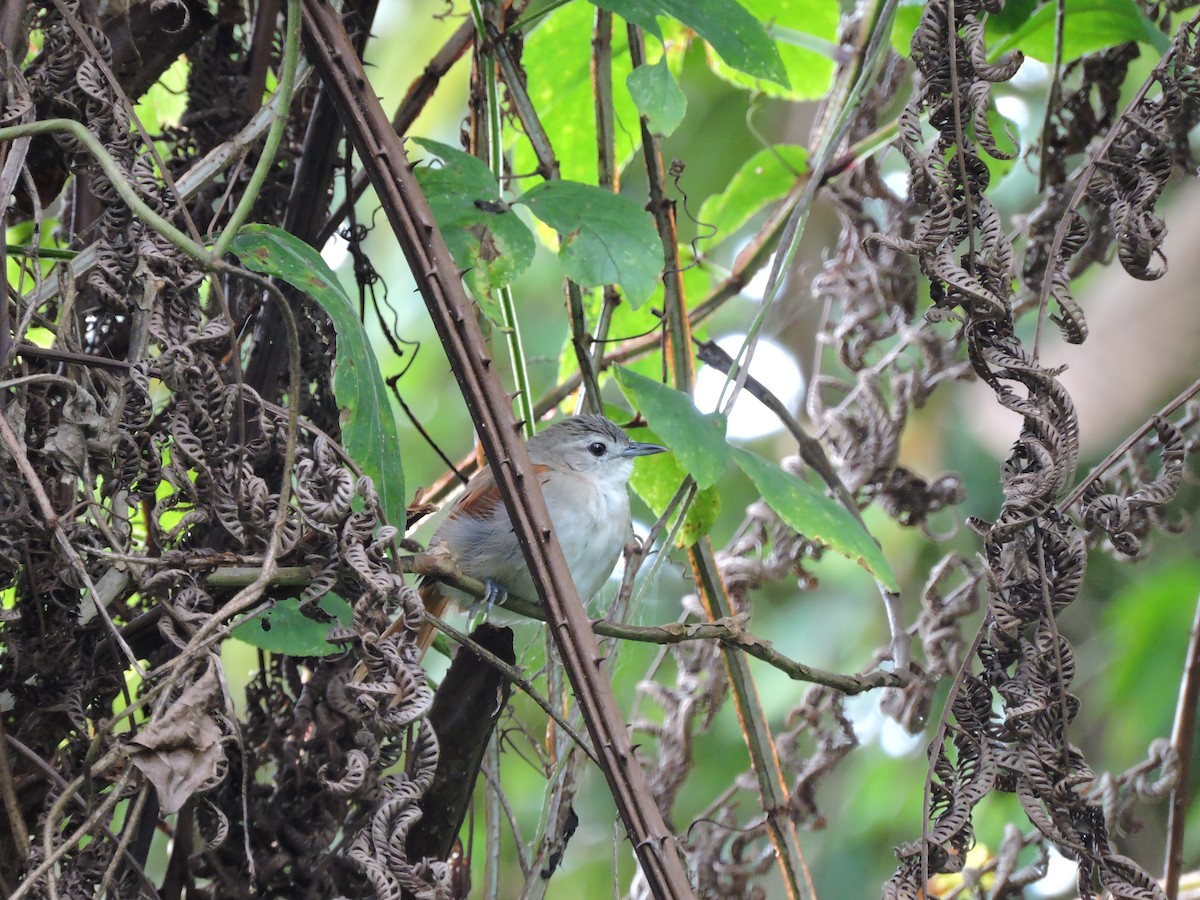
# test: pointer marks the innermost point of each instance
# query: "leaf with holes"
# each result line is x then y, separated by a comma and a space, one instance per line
284, 628
483, 234
369, 430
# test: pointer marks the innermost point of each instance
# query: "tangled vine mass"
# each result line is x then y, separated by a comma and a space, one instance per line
147, 448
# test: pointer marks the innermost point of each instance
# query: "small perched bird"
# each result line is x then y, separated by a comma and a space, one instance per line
583, 464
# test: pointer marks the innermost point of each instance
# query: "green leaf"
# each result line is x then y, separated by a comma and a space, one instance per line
734, 33
805, 33
1088, 26
814, 515
481, 232
697, 440
701, 516
369, 431
606, 238
764, 178
557, 61
658, 97
908, 17
657, 478
284, 628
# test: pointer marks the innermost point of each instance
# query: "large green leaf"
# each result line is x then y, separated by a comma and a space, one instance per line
658, 97
1088, 26
696, 439
764, 178
483, 235
369, 430
557, 60
284, 628
729, 28
657, 478
606, 238
815, 515
805, 33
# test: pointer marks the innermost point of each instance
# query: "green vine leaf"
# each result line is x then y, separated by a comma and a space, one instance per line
696, 439
607, 238
656, 479
482, 233
284, 628
369, 431
765, 177
738, 37
658, 97
805, 33
1088, 26
810, 512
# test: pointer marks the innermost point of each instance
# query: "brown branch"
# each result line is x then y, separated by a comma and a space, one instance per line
677, 337
387, 165
410, 107
1183, 735
548, 168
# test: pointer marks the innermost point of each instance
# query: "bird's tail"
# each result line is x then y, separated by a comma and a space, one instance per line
435, 601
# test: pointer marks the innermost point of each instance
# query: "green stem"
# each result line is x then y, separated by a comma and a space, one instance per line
504, 295
119, 179
287, 85
39, 252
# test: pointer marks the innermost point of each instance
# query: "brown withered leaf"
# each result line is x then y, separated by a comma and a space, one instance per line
181, 750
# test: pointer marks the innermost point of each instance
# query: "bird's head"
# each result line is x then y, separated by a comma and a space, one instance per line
589, 445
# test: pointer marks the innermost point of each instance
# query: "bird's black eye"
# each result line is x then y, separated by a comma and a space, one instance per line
597, 448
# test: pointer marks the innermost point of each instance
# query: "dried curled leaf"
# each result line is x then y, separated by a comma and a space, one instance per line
180, 751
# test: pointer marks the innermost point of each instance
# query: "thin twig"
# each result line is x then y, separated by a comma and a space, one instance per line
1098, 472
812, 452
8, 793
406, 114
514, 675
729, 631
266, 160
677, 334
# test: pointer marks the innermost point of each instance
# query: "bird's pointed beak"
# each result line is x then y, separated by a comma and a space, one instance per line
637, 448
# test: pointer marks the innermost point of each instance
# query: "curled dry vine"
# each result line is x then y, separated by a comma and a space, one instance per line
151, 494
140, 455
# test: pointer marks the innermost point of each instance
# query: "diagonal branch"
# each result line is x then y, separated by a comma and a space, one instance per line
408, 212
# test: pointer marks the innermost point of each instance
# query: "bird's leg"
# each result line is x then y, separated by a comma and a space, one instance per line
494, 594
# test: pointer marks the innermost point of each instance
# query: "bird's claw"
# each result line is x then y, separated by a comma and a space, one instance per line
494, 594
